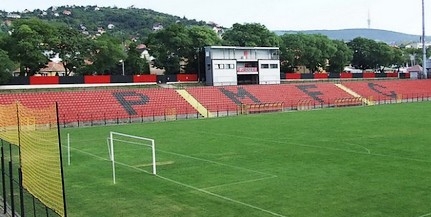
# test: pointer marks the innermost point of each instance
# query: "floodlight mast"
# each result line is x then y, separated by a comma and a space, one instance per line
424, 49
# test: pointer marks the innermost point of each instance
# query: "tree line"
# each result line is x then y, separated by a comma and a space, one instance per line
30, 43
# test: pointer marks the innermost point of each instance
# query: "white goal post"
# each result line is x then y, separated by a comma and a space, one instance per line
114, 136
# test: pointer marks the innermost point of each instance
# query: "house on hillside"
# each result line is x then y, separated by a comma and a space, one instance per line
67, 13
13, 16
157, 26
219, 30
415, 71
53, 69
418, 45
145, 55
101, 30
8, 22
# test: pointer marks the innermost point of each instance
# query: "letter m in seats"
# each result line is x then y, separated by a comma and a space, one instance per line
240, 95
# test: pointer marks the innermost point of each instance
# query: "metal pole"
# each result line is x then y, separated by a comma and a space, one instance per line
68, 149
61, 161
21, 192
153, 147
424, 49
3, 168
199, 65
122, 66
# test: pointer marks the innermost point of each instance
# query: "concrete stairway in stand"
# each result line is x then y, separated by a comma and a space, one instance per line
195, 104
353, 93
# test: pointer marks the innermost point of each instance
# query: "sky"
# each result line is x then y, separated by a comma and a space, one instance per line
396, 15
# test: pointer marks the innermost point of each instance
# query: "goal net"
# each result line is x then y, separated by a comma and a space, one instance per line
131, 151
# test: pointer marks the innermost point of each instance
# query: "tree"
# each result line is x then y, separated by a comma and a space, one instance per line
250, 35
134, 64
319, 49
414, 56
28, 44
384, 55
364, 53
72, 47
342, 57
292, 49
399, 58
200, 37
170, 47
6, 67
106, 55
312, 51
369, 54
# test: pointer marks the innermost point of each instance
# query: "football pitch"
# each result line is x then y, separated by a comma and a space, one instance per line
359, 161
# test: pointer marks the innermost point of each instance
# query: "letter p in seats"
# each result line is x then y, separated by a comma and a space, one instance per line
130, 99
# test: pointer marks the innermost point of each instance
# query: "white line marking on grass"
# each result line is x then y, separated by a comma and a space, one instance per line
366, 149
88, 153
240, 182
214, 162
195, 188
322, 147
429, 214
401, 158
222, 197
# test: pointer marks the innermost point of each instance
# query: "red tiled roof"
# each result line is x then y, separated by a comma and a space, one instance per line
416, 68
53, 67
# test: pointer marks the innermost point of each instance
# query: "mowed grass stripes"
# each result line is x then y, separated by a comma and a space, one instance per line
361, 161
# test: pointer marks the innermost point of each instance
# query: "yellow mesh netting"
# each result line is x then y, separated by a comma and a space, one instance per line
39, 151
9, 123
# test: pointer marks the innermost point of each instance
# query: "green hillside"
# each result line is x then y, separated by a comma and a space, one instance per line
133, 22
137, 22
389, 37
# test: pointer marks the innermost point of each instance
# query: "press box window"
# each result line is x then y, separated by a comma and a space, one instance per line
230, 66
219, 66
264, 66
274, 66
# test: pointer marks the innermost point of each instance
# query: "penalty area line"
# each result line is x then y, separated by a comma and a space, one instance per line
428, 214
214, 162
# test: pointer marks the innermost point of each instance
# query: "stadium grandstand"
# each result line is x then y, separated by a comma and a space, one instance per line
95, 106
91, 101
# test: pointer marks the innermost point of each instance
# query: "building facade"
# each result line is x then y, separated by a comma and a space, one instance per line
225, 65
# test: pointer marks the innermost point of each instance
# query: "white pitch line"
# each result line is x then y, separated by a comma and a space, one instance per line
214, 162
322, 147
222, 197
88, 153
192, 187
240, 182
429, 214
366, 149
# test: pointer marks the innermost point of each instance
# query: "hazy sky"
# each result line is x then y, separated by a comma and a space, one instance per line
396, 15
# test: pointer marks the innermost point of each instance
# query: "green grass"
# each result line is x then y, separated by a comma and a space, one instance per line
362, 161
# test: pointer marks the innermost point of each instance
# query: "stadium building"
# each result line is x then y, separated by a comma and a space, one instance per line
225, 65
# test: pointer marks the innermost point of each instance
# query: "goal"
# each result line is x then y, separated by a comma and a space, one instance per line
132, 151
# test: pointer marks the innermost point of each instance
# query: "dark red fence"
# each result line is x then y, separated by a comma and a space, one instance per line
345, 75
102, 79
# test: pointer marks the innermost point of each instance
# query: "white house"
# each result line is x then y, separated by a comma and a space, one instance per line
13, 16
157, 26
225, 65
418, 45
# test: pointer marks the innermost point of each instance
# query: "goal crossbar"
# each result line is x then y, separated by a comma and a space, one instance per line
111, 151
